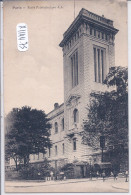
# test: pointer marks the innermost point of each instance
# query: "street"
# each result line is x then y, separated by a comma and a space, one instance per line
72, 185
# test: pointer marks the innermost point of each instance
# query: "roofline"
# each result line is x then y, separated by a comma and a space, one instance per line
82, 17
55, 109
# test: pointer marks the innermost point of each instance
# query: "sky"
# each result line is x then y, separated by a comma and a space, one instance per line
35, 77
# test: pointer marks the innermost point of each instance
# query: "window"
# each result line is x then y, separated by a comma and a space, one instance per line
77, 34
102, 35
99, 64
95, 65
98, 34
90, 31
56, 150
50, 131
76, 116
74, 144
33, 156
38, 156
98, 55
70, 44
74, 69
75, 37
63, 148
63, 124
49, 152
56, 127
94, 32
102, 64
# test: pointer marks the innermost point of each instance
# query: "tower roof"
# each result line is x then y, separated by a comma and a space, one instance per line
91, 19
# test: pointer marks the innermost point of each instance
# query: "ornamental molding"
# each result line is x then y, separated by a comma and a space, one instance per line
71, 98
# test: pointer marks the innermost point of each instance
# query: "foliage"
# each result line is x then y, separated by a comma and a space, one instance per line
27, 132
35, 171
108, 111
68, 170
118, 76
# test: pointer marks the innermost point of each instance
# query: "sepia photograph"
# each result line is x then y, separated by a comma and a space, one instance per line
65, 96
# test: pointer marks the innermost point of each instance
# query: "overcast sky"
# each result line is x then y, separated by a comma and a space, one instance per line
35, 77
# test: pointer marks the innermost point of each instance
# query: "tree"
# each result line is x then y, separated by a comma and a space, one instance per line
108, 112
36, 171
27, 132
68, 170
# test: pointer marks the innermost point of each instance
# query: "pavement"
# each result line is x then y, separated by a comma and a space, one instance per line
121, 185
108, 185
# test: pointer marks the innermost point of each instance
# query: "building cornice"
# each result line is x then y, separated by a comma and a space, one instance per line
57, 114
91, 19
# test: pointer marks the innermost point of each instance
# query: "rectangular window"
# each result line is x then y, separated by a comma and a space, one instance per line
49, 152
95, 65
74, 69
94, 32
63, 124
56, 150
90, 31
33, 156
102, 64
63, 147
98, 55
102, 35
38, 156
98, 34
56, 127
74, 144
99, 64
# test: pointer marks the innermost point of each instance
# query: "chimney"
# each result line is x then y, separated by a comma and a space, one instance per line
56, 105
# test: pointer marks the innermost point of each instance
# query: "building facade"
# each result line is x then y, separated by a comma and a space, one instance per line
88, 53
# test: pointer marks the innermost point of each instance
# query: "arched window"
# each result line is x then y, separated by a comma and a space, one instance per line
56, 127
76, 116
63, 124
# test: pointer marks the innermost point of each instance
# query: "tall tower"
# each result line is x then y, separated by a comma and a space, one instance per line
88, 52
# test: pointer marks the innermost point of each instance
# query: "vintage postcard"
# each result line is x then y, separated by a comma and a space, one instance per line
65, 96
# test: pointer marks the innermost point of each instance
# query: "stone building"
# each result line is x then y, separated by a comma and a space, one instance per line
88, 53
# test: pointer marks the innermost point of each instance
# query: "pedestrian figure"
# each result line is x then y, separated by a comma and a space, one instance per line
39, 175
97, 174
51, 174
90, 176
115, 176
111, 174
103, 175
